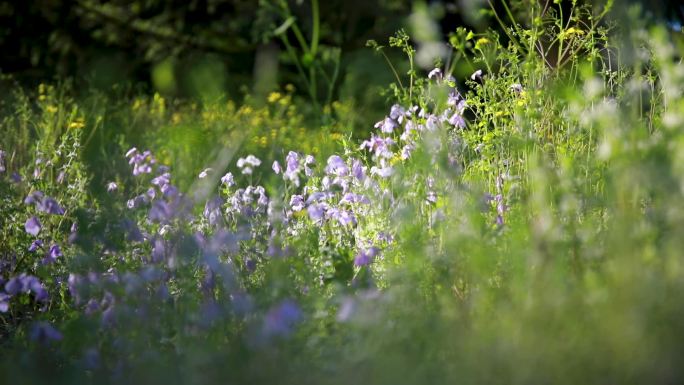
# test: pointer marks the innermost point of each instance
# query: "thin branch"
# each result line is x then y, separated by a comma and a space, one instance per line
130, 22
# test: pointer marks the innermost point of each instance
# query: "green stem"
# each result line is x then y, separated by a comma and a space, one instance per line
293, 54
336, 72
316, 27
394, 70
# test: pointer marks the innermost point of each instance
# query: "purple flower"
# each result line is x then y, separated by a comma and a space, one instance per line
517, 88
263, 199
53, 254
297, 202
133, 233
354, 198
387, 125
112, 186
160, 212
337, 166
316, 212
131, 152
317, 196
42, 332
385, 237
4, 303
35, 245
143, 168
276, 167
169, 190
281, 319
212, 210
383, 172
32, 226
248, 163
380, 146
435, 73
205, 173
135, 202
308, 160
158, 251
454, 98
397, 112
14, 286
50, 206
365, 257
431, 123
292, 160
344, 217
407, 150
228, 179
161, 180
477, 75
39, 292
358, 170
34, 197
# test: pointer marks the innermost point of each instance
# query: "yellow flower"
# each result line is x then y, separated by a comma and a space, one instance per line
76, 124
176, 118
480, 42
274, 97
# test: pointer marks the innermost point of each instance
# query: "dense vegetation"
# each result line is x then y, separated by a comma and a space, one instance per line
518, 224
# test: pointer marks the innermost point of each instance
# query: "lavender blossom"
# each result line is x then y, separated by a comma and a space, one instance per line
276, 167
308, 161
4, 302
13, 286
32, 226
50, 206
228, 180
383, 172
281, 319
316, 212
358, 170
435, 73
365, 257
35, 245
297, 202
387, 125
161, 180
34, 197
112, 186
247, 164
42, 332
337, 166
53, 254
517, 88
397, 113
457, 120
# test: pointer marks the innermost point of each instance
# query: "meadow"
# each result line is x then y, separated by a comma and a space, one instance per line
521, 223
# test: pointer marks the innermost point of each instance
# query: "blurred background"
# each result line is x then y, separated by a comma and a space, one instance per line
266, 76
208, 47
